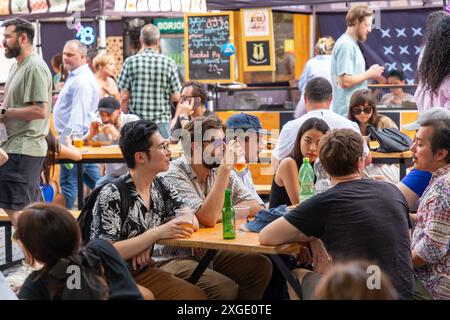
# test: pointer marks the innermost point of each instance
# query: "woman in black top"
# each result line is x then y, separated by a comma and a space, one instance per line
50, 236
286, 185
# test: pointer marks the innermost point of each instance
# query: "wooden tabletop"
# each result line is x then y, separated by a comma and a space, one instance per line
247, 242
392, 155
263, 188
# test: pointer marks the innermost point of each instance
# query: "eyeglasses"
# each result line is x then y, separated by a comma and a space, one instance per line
357, 111
164, 146
184, 98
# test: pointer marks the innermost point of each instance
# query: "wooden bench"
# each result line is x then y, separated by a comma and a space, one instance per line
5, 223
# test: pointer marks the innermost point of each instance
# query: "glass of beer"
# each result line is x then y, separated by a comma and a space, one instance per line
185, 216
77, 138
240, 166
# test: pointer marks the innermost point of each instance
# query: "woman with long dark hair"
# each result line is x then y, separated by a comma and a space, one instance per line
434, 69
363, 111
50, 237
286, 184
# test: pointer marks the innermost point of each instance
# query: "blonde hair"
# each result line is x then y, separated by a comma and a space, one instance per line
102, 60
325, 45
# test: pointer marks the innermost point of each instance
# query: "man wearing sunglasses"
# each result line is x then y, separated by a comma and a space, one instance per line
200, 178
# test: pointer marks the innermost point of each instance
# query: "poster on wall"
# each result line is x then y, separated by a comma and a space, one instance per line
258, 53
257, 40
256, 22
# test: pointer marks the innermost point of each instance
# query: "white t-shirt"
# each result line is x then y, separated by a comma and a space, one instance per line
290, 130
118, 169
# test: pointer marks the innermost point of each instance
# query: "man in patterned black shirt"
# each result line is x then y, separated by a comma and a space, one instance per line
152, 202
149, 81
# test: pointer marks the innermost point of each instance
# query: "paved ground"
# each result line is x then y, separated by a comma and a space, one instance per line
17, 253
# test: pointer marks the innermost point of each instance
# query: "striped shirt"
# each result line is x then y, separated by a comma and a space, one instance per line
151, 78
184, 179
431, 237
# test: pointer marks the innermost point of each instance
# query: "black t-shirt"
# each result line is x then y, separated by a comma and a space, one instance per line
362, 219
121, 284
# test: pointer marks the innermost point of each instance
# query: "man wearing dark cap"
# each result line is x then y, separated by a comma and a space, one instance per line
108, 128
248, 130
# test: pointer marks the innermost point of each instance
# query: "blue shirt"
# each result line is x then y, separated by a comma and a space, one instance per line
319, 66
77, 102
347, 58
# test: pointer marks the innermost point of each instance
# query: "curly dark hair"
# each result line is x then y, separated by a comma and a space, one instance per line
435, 64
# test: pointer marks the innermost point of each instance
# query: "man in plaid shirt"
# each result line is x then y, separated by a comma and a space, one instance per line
149, 81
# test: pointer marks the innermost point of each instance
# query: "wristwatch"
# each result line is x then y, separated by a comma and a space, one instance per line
183, 118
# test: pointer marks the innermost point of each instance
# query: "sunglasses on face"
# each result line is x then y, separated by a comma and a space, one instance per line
366, 110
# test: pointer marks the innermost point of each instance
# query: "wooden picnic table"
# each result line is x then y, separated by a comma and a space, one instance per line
245, 242
112, 154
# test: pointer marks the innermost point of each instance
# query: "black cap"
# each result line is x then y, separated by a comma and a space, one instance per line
108, 104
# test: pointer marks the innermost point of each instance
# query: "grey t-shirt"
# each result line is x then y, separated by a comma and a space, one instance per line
27, 83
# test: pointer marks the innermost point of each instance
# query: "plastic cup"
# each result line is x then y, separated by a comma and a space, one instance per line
241, 212
77, 138
186, 216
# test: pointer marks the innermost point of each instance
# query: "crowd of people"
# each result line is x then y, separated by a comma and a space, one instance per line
401, 228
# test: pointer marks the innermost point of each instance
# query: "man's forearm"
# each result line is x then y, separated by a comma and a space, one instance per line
33, 112
348, 81
210, 212
124, 101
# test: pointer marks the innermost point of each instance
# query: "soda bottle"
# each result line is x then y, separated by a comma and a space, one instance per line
323, 182
228, 217
306, 175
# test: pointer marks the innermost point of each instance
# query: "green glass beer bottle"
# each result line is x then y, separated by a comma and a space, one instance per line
228, 217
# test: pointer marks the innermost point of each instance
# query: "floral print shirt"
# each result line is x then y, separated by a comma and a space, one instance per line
431, 237
164, 199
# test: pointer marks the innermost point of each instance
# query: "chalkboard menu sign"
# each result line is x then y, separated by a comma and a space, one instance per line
204, 35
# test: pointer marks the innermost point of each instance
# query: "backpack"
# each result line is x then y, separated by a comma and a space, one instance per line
85, 217
390, 139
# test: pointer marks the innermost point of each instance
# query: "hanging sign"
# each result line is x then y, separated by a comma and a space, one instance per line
257, 41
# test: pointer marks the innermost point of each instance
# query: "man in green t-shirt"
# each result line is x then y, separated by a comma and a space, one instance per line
26, 115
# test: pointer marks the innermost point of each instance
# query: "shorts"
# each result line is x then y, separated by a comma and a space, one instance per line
20, 177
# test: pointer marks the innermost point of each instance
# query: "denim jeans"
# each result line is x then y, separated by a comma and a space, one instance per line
68, 181
105, 179
164, 129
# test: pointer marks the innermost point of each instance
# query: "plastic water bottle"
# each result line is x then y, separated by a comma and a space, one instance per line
323, 182
306, 174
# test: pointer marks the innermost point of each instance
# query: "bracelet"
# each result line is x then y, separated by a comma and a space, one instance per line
183, 118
